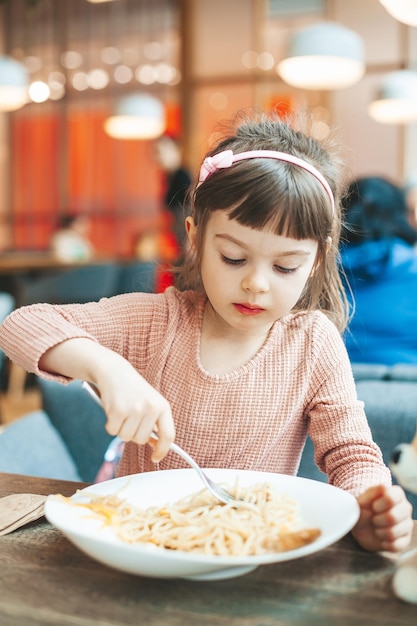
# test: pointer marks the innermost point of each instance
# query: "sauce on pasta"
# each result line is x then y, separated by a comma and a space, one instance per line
264, 522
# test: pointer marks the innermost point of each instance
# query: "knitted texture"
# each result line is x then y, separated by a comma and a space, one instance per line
255, 417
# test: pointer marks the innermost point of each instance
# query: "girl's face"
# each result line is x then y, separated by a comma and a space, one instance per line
251, 277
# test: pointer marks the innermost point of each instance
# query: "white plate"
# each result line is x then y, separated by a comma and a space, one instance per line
322, 506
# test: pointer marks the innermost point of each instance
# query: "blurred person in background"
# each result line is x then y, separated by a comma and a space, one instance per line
159, 246
177, 181
379, 261
71, 243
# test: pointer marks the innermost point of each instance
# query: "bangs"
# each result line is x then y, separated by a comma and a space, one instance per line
289, 199
283, 200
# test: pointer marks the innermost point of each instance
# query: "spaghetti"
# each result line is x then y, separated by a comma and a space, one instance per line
264, 522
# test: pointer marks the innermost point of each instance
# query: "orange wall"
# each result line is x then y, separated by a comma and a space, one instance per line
79, 169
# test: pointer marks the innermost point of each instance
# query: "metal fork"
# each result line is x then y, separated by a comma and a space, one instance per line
213, 487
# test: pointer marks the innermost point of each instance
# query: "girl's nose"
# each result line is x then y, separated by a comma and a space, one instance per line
255, 281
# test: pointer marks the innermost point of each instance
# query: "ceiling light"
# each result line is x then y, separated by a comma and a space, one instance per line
13, 84
323, 56
404, 11
39, 91
137, 116
396, 100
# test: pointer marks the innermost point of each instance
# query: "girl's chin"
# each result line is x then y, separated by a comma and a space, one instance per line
254, 325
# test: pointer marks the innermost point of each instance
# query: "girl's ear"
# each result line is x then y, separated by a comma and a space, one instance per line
191, 230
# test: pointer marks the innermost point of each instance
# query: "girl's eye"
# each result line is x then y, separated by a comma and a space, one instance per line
285, 270
229, 261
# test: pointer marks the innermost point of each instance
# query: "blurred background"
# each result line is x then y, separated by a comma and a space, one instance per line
192, 63
107, 107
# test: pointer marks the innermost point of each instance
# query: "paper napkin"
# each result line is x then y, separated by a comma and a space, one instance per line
19, 509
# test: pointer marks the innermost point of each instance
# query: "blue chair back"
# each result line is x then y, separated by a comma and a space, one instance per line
138, 276
83, 284
7, 304
80, 422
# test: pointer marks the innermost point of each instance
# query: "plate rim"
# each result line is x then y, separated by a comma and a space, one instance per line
222, 561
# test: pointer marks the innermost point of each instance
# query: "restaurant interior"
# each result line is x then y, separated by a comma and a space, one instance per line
203, 61
87, 88
72, 70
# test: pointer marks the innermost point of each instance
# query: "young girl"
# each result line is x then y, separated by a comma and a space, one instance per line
246, 357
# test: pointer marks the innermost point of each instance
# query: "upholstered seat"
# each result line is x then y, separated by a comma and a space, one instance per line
66, 439
82, 284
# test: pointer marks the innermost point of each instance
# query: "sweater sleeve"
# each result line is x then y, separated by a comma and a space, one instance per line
28, 332
344, 448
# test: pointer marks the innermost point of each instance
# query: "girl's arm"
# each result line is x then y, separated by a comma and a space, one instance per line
93, 342
133, 407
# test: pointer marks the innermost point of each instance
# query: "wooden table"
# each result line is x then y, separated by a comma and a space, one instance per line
44, 579
11, 262
18, 267
38, 262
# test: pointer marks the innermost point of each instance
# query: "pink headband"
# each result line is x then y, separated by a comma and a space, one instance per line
227, 158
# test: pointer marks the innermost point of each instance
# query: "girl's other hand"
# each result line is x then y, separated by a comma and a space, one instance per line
385, 522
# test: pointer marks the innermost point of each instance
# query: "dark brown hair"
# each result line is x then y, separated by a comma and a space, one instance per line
273, 194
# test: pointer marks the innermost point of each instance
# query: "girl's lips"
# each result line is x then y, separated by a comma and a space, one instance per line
248, 309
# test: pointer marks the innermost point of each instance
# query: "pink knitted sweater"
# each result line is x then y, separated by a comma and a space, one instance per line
255, 417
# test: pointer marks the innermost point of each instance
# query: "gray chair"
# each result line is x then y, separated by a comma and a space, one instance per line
82, 284
66, 439
79, 421
139, 276
31, 446
7, 304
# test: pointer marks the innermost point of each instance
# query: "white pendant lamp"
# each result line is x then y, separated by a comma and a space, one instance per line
323, 56
137, 116
404, 11
13, 84
396, 101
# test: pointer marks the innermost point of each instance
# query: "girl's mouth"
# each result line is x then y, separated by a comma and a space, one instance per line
248, 309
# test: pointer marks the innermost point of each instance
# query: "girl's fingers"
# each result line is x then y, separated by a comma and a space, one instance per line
128, 430
166, 435
395, 545
394, 531
385, 504
137, 429
391, 497
368, 497
385, 523
397, 515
